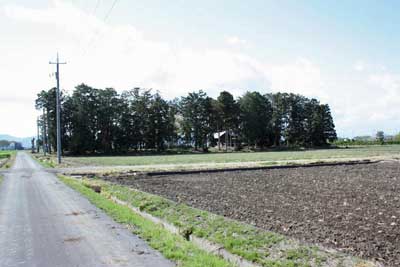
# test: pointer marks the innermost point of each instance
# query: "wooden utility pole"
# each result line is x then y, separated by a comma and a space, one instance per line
38, 135
43, 134
59, 149
45, 139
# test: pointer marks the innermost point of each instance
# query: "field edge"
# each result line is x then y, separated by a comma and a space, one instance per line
173, 247
252, 244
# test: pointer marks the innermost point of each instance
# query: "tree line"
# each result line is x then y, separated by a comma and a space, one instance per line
10, 145
380, 138
105, 121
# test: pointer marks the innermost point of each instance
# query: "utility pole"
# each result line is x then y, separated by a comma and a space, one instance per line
44, 133
47, 135
38, 135
43, 136
57, 63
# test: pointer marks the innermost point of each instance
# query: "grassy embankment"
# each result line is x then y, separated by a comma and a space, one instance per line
47, 161
173, 247
238, 159
6, 158
253, 244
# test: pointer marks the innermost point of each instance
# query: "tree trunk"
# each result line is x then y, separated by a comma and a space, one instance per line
230, 139
226, 141
219, 139
235, 143
205, 145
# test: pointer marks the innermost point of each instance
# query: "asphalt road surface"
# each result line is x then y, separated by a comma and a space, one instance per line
45, 223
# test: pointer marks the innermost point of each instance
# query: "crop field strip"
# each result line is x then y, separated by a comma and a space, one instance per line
253, 244
237, 157
355, 209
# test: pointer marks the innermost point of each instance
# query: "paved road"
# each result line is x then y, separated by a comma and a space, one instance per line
45, 223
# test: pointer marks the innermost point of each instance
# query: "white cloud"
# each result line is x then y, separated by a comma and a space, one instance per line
121, 56
235, 41
360, 66
368, 103
302, 77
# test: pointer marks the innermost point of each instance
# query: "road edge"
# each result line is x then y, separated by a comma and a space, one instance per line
171, 246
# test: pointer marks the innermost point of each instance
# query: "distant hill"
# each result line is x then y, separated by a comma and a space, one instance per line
25, 141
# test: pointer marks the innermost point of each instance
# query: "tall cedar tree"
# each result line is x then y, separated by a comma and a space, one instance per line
255, 117
103, 121
229, 114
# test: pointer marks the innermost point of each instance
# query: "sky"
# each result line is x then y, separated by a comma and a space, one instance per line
344, 53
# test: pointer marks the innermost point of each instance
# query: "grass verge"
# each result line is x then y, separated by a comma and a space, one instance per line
238, 157
173, 247
45, 161
253, 244
6, 159
4, 155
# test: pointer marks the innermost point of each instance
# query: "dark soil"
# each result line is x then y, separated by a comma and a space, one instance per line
355, 209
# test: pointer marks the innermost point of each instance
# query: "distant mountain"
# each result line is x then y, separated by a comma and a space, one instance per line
25, 141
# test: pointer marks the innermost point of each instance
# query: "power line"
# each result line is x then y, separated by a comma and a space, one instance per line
94, 37
96, 7
93, 13
111, 9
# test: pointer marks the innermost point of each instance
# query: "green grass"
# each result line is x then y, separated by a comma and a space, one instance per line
237, 238
173, 247
46, 161
255, 245
7, 156
274, 156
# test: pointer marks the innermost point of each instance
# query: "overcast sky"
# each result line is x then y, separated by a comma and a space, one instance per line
345, 53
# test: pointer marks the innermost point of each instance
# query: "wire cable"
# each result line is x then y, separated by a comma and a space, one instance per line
96, 36
109, 11
96, 7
